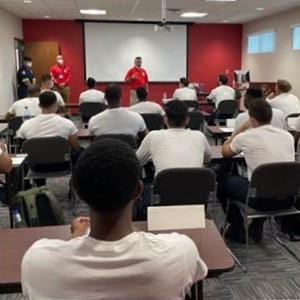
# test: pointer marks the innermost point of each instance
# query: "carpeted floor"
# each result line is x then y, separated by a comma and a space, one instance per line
273, 273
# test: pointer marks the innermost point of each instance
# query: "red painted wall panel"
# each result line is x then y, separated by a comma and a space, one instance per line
212, 49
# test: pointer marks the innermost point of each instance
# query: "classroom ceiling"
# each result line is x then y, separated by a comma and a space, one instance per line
240, 11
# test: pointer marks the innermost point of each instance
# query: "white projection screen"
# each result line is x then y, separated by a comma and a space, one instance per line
110, 49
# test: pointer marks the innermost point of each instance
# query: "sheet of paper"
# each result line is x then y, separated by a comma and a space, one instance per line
18, 160
226, 129
176, 217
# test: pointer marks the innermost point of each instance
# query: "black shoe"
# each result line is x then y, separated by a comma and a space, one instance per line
235, 234
256, 230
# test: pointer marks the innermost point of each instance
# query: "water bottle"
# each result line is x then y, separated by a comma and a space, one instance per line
26, 115
18, 222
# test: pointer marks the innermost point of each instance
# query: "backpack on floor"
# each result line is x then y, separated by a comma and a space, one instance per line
36, 207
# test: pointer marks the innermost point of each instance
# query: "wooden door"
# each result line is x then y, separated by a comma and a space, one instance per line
43, 56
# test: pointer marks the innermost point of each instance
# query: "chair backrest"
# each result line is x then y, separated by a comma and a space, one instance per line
89, 109
153, 121
47, 150
192, 104
183, 186
227, 107
14, 124
275, 180
196, 120
127, 138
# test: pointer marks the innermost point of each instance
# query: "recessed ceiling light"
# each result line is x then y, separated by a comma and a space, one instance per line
94, 12
192, 14
47, 17
27, 1
221, 0
260, 8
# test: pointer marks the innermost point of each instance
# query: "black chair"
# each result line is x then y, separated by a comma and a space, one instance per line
192, 104
153, 121
127, 138
49, 157
184, 186
89, 109
227, 109
13, 126
270, 181
196, 120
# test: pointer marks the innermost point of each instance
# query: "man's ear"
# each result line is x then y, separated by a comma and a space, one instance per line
187, 121
138, 190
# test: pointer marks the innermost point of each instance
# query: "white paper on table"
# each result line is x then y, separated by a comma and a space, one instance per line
17, 160
176, 217
227, 129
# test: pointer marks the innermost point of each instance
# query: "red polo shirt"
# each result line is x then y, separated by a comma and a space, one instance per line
60, 74
140, 80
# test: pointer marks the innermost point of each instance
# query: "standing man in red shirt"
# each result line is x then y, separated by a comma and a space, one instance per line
61, 75
137, 77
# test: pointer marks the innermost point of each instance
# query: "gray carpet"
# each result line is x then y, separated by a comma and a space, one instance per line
273, 273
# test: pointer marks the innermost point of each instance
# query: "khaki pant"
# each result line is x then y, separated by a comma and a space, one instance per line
65, 92
133, 97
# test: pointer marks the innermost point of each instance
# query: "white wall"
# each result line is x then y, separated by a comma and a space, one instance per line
10, 28
284, 63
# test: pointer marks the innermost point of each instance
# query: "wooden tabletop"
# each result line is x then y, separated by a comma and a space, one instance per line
84, 134
218, 130
216, 155
15, 242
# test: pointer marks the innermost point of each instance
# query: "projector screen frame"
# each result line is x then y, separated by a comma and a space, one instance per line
188, 24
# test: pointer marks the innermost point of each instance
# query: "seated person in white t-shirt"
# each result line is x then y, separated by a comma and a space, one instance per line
144, 106
105, 258
184, 92
49, 124
92, 95
261, 144
5, 160
116, 119
253, 94
283, 99
29, 105
222, 92
175, 147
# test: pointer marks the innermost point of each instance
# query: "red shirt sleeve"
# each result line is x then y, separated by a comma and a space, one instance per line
53, 74
146, 78
129, 74
68, 75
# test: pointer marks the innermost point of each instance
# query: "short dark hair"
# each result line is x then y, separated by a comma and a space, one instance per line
176, 112
91, 82
106, 175
46, 77
184, 81
113, 94
27, 58
283, 85
34, 90
252, 93
47, 99
261, 111
138, 57
223, 79
141, 93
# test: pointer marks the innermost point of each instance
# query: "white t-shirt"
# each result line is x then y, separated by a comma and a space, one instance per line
59, 99
220, 93
297, 125
139, 266
47, 125
264, 144
278, 119
185, 93
286, 102
117, 121
18, 107
147, 107
174, 148
92, 95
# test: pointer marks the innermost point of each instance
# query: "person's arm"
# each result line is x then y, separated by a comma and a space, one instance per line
129, 76
69, 75
226, 148
147, 82
33, 80
11, 113
8, 116
211, 97
53, 75
271, 96
79, 227
207, 151
5, 160
73, 140
143, 153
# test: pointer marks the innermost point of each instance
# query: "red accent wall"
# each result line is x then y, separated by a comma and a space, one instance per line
212, 49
